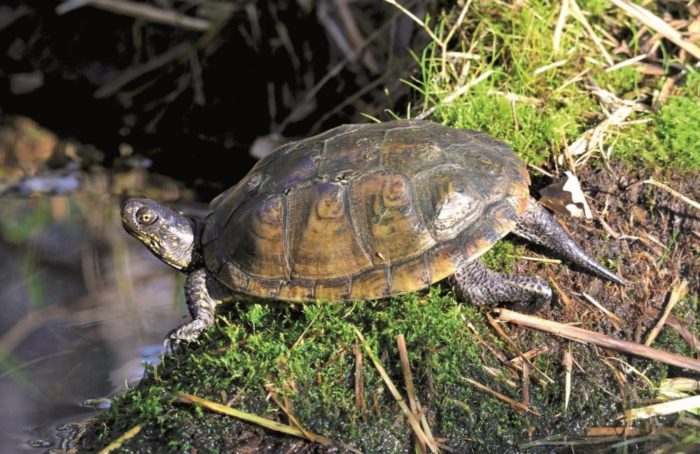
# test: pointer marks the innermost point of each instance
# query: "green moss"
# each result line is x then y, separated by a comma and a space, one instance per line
625, 82
501, 257
679, 131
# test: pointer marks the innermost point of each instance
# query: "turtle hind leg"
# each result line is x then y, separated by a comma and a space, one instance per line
482, 286
202, 307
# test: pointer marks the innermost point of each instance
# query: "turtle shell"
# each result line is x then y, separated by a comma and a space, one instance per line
364, 211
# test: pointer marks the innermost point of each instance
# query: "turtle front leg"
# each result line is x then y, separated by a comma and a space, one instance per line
482, 286
202, 308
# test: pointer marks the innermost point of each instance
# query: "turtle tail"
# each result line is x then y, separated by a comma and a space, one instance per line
538, 226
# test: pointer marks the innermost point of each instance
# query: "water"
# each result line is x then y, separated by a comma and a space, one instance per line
82, 306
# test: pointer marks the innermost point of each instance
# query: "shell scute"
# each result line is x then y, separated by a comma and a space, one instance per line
388, 223
322, 244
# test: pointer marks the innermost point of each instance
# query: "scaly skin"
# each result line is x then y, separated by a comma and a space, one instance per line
538, 226
482, 286
202, 308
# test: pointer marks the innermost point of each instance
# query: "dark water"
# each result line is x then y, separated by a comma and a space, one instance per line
82, 306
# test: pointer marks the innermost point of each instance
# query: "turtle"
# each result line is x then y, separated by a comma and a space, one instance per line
360, 212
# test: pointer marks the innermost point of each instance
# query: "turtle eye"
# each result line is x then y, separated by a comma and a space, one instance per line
144, 216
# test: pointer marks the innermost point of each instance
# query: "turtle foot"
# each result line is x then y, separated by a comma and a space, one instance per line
183, 335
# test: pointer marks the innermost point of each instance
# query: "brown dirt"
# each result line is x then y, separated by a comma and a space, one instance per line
657, 246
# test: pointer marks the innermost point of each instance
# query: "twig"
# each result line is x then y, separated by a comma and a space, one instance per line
665, 92
526, 384
677, 294
582, 335
528, 355
430, 443
355, 36
116, 444
687, 200
450, 34
139, 11
513, 403
658, 25
135, 72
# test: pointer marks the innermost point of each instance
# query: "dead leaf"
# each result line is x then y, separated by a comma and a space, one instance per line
566, 197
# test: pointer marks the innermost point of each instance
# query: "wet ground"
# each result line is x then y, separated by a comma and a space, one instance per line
83, 306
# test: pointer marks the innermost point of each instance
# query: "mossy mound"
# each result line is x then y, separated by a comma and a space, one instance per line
309, 356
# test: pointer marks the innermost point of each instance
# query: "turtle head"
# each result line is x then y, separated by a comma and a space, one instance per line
169, 235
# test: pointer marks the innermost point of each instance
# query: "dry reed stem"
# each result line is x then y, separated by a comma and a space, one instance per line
516, 365
676, 324
545, 68
594, 137
130, 74
355, 36
675, 193
563, 296
429, 442
568, 361
513, 403
140, 11
601, 340
664, 408
418, 21
528, 355
270, 388
677, 294
561, 21
658, 25
453, 30
613, 431
526, 384
605, 311
248, 417
536, 259
665, 92
624, 63
579, 16
408, 380
116, 444
360, 382
457, 93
